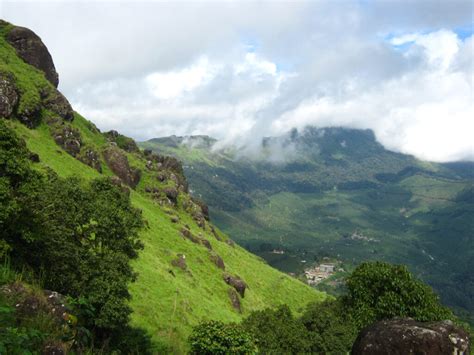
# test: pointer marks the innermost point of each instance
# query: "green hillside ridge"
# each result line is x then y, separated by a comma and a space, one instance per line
338, 193
166, 300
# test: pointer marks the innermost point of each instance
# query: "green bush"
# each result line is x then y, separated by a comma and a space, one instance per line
77, 237
378, 290
276, 331
219, 338
331, 330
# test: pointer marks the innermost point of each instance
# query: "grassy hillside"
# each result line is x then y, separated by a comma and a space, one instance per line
337, 192
167, 299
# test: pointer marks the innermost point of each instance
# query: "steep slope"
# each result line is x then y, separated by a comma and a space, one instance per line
337, 192
181, 269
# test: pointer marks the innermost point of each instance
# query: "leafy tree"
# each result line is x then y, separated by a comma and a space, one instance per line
331, 330
17, 180
378, 290
78, 237
219, 338
276, 331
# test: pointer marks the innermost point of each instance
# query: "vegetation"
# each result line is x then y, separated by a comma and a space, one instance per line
217, 338
277, 331
77, 237
375, 291
337, 192
380, 291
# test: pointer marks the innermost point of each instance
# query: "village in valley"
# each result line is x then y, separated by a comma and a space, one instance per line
320, 272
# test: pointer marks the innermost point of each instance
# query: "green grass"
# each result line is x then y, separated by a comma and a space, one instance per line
166, 305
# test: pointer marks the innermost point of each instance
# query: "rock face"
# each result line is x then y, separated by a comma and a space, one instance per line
406, 336
33, 51
8, 95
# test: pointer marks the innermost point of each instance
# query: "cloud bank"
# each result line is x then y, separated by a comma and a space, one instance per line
239, 71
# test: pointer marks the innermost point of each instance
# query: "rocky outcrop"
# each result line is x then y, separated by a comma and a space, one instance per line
29, 302
215, 234
8, 95
217, 260
237, 283
204, 209
124, 142
69, 139
172, 194
32, 50
407, 336
206, 243
91, 157
234, 299
163, 163
190, 236
118, 163
57, 103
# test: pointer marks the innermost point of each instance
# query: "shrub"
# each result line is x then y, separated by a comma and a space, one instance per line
219, 338
276, 331
331, 330
378, 290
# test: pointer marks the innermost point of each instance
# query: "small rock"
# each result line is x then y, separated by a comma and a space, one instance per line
234, 299
188, 235
34, 157
172, 194
180, 262
206, 243
217, 260
236, 282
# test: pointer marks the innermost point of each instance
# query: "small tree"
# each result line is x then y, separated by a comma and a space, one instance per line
276, 331
331, 330
378, 290
219, 338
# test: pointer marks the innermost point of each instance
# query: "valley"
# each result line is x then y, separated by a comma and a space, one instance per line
338, 193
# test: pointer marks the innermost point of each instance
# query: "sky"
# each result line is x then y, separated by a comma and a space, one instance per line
242, 70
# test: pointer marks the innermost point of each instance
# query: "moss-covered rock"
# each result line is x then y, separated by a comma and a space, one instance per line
8, 94
118, 163
32, 50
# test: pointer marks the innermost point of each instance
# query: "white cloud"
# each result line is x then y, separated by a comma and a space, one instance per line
174, 83
242, 70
